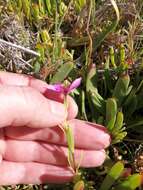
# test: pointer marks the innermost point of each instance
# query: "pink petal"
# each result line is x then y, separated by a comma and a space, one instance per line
56, 87
63, 89
74, 84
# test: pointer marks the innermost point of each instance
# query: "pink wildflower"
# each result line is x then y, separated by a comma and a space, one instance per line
61, 88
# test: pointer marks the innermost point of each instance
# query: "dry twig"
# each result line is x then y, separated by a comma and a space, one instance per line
19, 47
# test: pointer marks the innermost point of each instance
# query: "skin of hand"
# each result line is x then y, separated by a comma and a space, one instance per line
33, 148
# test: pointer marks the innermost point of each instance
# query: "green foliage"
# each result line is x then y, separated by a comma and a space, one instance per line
49, 6
96, 100
131, 183
26, 8
112, 176
79, 4
114, 179
112, 57
111, 112
62, 73
106, 31
119, 131
122, 89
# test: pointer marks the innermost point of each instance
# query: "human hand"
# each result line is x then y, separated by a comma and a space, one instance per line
33, 148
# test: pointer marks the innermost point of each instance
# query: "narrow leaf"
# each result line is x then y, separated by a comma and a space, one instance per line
119, 121
62, 73
111, 111
122, 89
131, 183
112, 176
97, 101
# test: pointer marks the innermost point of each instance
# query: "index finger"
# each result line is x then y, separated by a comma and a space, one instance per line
13, 79
24, 106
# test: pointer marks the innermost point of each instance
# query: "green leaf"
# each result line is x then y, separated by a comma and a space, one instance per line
118, 123
132, 107
122, 55
119, 137
35, 12
45, 36
112, 57
97, 101
112, 176
122, 89
91, 80
130, 104
41, 6
26, 8
131, 183
19, 4
79, 4
62, 72
128, 100
108, 79
48, 6
111, 112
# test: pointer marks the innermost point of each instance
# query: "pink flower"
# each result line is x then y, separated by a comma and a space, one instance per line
61, 88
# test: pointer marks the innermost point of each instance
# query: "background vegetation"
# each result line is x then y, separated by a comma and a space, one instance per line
101, 41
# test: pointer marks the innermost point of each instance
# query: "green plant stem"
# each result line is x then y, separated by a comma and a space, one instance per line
70, 141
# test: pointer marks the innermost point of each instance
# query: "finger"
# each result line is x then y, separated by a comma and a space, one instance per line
33, 151
26, 106
87, 135
13, 79
13, 173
